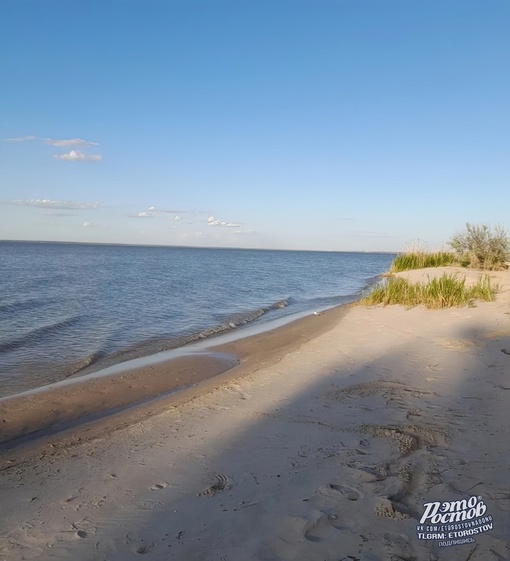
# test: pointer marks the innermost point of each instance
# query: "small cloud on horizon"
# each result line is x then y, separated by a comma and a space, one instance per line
53, 141
87, 224
213, 222
141, 215
70, 142
50, 203
23, 139
72, 156
78, 156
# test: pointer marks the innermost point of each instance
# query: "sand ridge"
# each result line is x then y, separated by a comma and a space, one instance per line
327, 452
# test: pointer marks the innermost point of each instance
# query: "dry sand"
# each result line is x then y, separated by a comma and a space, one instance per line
322, 444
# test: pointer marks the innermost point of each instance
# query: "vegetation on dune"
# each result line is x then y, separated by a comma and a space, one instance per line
421, 260
482, 247
478, 247
446, 291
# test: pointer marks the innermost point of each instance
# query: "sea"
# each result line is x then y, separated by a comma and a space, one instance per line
71, 309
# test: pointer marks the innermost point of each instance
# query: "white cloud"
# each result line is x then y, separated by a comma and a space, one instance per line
78, 156
53, 142
213, 222
141, 215
87, 224
49, 203
177, 218
72, 156
69, 142
23, 139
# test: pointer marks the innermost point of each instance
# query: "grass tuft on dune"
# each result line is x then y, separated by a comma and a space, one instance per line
421, 260
447, 291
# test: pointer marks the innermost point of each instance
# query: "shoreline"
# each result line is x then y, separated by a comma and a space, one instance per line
326, 444
240, 325
127, 390
170, 376
59, 326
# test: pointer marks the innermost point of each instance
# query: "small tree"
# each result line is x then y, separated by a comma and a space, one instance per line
482, 247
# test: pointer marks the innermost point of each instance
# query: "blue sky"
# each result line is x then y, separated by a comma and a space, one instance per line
289, 124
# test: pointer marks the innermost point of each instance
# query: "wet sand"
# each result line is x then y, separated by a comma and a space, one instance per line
195, 369
323, 443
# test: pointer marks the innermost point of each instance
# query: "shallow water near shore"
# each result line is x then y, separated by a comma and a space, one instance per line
68, 309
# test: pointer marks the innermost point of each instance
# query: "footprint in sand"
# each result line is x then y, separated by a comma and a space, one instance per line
399, 547
158, 486
221, 484
84, 528
391, 390
81, 534
146, 548
410, 438
456, 344
413, 413
340, 490
149, 505
320, 528
364, 447
370, 473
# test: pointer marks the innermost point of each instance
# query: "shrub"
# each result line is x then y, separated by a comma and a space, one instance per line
446, 291
482, 247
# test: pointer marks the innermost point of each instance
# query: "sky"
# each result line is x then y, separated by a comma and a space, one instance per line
335, 125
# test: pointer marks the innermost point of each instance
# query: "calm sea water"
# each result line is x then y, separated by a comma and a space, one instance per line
71, 308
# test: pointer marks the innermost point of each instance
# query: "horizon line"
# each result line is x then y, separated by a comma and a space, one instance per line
121, 244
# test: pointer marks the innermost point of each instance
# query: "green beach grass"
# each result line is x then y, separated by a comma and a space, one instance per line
421, 260
478, 247
447, 291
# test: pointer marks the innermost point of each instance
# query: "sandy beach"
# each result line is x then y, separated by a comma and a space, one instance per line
319, 441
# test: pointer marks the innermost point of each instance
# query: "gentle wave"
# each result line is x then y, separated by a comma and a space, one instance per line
39, 333
100, 359
69, 309
23, 305
85, 362
235, 321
